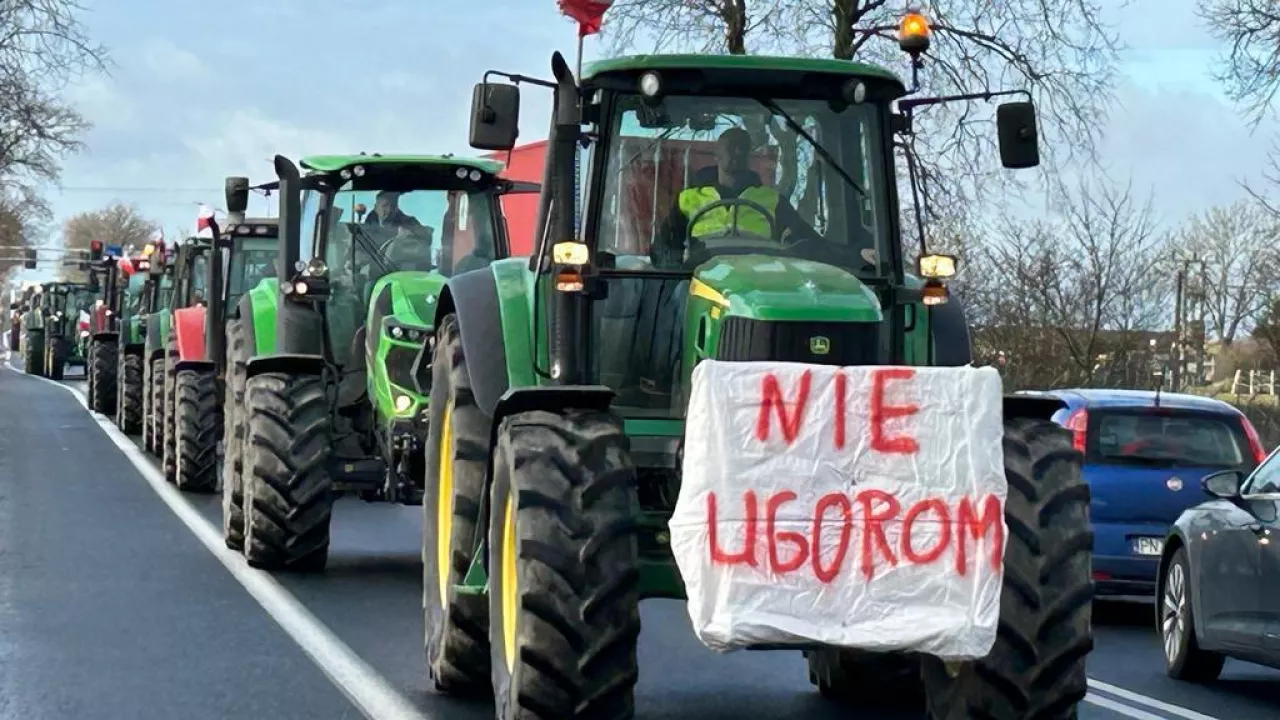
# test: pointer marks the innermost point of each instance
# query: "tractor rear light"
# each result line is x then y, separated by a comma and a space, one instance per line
933, 293
1255, 442
1078, 424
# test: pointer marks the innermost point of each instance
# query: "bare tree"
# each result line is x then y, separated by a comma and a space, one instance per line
43, 46
1250, 69
22, 219
1072, 297
1236, 245
116, 224
1060, 50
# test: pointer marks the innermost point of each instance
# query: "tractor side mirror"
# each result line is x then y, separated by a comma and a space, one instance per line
495, 116
236, 190
1019, 140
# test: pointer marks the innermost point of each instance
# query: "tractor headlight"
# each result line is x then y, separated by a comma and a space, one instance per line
415, 335
84, 333
316, 268
650, 84
397, 333
403, 403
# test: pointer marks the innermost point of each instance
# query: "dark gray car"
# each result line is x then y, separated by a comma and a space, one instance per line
1220, 576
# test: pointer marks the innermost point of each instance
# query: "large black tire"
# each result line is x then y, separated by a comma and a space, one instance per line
562, 522
155, 389
288, 497
168, 401
457, 458
33, 352
131, 390
199, 428
238, 353
1036, 669
148, 430
1184, 659
866, 679
102, 376
56, 359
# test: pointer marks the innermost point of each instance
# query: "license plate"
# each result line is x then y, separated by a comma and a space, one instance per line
1148, 545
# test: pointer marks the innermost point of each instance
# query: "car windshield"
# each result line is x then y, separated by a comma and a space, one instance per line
1170, 438
790, 178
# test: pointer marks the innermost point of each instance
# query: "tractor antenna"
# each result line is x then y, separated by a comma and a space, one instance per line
1158, 391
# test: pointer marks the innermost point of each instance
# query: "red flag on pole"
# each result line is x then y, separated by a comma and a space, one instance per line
204, 222
589, 14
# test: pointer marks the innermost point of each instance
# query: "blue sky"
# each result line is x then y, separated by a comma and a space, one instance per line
197, 95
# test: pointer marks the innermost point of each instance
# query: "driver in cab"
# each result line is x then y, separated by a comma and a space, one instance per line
730, 178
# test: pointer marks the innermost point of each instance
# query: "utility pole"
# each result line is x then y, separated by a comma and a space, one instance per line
1177, 326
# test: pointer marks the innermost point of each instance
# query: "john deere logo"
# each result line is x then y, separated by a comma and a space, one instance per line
819, 345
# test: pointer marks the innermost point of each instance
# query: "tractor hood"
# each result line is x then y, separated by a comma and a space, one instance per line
764, 287
413, 295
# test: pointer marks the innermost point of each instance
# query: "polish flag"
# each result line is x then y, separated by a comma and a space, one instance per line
204, 222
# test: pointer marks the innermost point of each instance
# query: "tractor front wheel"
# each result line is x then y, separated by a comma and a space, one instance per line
233, 438
199, 426
33, 352
564, 611
155, 417
457, 455
1036, 669
102, 377
169, 442
131, 390
288, 496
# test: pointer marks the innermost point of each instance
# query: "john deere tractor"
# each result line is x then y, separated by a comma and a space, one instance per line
559, 384
209, 284
136, 291
331, 356
66, 301
155, 336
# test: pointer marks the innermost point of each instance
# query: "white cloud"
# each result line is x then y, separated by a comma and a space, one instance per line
163, 60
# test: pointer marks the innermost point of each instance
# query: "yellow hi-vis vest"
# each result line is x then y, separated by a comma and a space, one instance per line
721, 218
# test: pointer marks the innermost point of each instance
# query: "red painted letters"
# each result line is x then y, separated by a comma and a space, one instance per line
903, 444
771, 398
958, 524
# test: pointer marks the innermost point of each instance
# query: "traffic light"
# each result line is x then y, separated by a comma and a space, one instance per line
30, 262
95, 251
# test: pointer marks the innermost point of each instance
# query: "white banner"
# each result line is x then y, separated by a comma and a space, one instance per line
856, 507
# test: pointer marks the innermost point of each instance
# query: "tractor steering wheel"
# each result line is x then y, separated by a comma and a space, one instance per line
409, 235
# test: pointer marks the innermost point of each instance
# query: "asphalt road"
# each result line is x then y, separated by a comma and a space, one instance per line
116, 602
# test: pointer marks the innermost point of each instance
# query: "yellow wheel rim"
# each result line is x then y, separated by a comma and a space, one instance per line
444, 504
510, 594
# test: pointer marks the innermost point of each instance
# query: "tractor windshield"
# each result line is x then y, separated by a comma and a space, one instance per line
698, 176
377, 232
133, 294
253, 260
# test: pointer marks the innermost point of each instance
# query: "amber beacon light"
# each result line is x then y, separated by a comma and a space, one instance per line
913, 33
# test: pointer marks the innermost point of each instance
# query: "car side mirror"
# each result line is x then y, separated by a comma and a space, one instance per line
495, 116
1019, 138
1225, 484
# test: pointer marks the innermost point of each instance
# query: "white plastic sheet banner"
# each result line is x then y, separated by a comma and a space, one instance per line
856, 507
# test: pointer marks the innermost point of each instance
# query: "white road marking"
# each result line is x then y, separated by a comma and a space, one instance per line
367, 689
355, 678
1133, 697
1119, 707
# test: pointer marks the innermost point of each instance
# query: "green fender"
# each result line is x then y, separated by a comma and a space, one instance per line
264, 298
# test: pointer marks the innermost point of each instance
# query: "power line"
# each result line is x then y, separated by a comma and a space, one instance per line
88, 188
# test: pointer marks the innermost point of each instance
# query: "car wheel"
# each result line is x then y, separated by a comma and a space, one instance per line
1183, 657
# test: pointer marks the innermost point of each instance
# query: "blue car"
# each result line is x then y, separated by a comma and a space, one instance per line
1144, 456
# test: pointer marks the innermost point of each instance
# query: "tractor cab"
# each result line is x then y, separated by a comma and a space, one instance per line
384, 234
249, 249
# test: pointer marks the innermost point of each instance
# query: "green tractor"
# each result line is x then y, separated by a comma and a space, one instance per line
209, 283
115, 332
559, 385
62, 341
330, 357
136, 292
155, 333
33, 330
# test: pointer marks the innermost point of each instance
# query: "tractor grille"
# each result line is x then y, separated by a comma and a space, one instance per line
846, 343
400, 365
